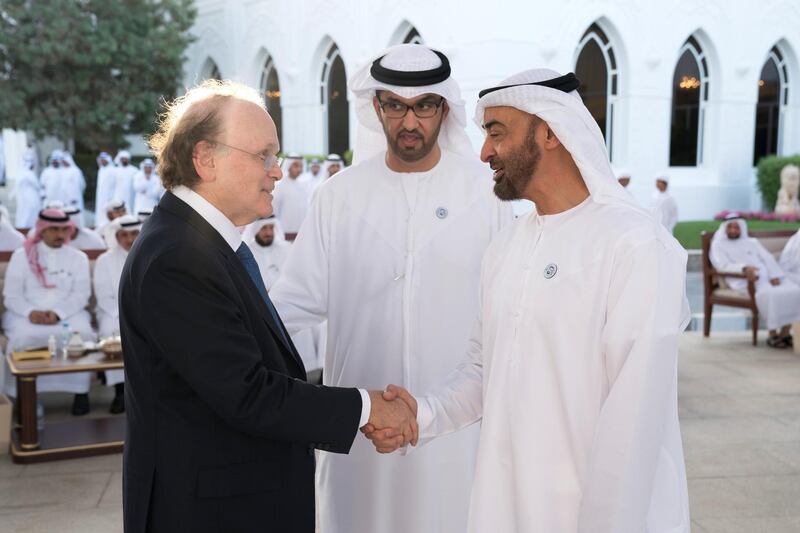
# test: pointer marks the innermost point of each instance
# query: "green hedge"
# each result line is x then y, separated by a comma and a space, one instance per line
769, 177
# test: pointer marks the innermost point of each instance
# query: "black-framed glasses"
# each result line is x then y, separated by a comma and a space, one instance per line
269, 160
423, 109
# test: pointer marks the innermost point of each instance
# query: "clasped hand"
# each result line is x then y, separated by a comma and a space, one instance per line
392, 419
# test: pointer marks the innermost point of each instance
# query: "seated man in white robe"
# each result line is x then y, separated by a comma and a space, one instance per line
292, 196
47, 285
10, 238
120, 236
790, 259
113, 209
572, 364
777, 298
82, 238
266, 239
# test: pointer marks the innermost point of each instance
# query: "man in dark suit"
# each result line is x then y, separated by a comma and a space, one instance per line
222, 425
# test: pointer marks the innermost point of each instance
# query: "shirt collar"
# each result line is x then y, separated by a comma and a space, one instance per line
211, 214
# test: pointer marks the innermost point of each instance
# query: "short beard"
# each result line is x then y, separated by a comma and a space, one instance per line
417, 154
519, 166
264, 242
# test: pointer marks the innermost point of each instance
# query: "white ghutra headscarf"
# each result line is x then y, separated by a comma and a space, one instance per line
413, 59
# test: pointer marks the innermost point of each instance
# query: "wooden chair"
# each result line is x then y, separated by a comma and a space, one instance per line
717, 292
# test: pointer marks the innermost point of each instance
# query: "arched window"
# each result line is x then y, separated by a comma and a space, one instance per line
773, 95
689, 97
271, 89
333, 95
413, 36
596, 68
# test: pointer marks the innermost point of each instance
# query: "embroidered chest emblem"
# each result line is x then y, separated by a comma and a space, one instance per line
550, 270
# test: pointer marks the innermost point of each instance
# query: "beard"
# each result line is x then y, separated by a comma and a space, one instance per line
264, 242
518, 166
419, 151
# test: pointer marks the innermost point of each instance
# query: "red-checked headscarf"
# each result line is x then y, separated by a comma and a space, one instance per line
48, 218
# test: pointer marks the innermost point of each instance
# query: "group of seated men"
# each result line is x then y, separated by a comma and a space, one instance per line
48, 284
47, 289
777, 282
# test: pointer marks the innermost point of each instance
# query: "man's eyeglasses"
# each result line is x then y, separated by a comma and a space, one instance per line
269, 160
423, 109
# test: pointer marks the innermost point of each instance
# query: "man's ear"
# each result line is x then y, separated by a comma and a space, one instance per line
551, 142
203, 160
445, 109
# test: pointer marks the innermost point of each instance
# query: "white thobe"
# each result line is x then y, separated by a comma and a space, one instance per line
68, 270
572, 365
148, 191
778, 304
314, 181
665, 209
790, 258
10, 238
106, 185
68, 189
393, 261
49, 180
107, 273
291, 201
123, 178
270, 261
88, 239
29, 200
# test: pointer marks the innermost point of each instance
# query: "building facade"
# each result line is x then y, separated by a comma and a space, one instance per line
697, 90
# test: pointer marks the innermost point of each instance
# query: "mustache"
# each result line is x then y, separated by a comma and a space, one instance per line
410, 132
495, 163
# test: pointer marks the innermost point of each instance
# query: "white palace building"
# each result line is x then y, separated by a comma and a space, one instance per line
697, 89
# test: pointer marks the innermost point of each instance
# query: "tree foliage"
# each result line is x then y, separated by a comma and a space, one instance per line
90, 70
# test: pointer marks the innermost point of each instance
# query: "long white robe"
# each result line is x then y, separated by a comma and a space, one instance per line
67, 269
790, 259
29, 199
106, 185
10, 238
665, 209
291, 201
68, 189
393, 261
107, 273
572, 365
123, 178
778, 304
49, 180
148, 191
87, 239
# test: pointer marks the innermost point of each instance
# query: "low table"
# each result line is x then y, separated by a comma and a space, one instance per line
68, 439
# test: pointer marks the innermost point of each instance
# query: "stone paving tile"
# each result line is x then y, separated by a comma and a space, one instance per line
752, 459
70, 520
732, 498
8, 469
750, 525
101, 463
113, 494
66, 491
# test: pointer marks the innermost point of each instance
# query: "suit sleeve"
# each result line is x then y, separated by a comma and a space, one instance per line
191, 312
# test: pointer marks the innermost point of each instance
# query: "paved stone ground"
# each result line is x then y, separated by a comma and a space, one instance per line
740, 416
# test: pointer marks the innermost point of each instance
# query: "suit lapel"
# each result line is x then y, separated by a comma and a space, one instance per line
176, 206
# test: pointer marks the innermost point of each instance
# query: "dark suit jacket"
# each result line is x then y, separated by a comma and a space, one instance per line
222, 426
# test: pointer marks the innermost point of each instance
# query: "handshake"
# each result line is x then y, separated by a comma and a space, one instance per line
392, 419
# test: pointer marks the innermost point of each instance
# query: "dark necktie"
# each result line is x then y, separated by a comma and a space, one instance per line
249, 263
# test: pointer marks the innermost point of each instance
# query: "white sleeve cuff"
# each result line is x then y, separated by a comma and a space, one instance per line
425, 416
366, 407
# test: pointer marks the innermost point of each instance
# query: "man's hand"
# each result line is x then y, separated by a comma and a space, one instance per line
751, 273
51, 318
38, 317
775, 282
387, 440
